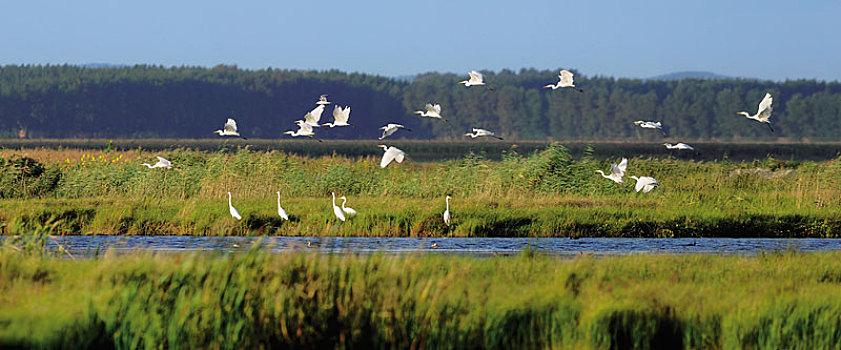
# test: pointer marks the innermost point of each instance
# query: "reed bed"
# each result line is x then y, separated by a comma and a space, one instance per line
302, 299
547, 193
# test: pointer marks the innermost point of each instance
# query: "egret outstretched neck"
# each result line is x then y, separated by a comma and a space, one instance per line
448, 203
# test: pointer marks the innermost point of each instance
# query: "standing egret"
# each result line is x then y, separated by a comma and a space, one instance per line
234, 211
617, 171
679, 146
322, 100
447, 212
349, 211
481, 133
390, 129
340, 117
280, 210
763, 112
391, 153
476, 78
565, 81
304, 129
162, 163
336, 210
651, 125
230, 129
645, 183
312, 117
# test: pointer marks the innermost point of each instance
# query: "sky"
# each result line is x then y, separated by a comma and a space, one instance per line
772, 39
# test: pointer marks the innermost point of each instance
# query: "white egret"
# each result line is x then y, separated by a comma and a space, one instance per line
390, 129
162, 163
234, 211
447, 212
645, 183
476, 78
340, 117
312, 117
391, 153
230, 129
763, 113
482, 133
304, 129
617, 171
651, 125
565, 81
336, 210
348, 211
280, 210
322, 100
679, 146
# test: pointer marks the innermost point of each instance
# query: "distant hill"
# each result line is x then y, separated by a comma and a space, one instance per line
690, 75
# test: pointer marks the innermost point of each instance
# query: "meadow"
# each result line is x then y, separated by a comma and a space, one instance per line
549, 192
302, 299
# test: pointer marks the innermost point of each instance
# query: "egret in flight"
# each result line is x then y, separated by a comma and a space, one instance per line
482, 133
336, 210
162, 163
340, 117
390, 129
617, 171
565, 81
476, 78
304, 129
234, 211
280, 210
391, 153
763, 113
447, 212
322, 100
313, 116
348, 211
645, 183
230, 129
651, 125
679, 146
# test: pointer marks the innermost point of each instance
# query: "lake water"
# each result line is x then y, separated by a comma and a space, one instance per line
93, 245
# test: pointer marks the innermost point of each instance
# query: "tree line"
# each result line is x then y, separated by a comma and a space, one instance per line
190, 102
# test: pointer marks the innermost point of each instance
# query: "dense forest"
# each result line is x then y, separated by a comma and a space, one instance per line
190, 102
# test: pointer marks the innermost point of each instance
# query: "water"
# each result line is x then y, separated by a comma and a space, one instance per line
93, 245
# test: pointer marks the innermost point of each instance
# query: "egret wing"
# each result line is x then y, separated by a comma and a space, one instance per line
388, 156
314, 115
437, 108
566, 77
620, 168
231, 125
764, 111
475, 77
399, 155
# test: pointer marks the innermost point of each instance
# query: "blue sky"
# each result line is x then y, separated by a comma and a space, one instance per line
770, 39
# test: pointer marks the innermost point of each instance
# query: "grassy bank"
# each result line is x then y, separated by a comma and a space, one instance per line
546, 193
315, 301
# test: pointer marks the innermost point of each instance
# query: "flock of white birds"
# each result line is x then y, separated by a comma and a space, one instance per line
342, 115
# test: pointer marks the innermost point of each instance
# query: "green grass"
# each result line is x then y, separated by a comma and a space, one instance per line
548, 193
300, 299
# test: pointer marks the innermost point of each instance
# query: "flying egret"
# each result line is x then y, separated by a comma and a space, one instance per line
348, 211
391, 153
312, 117
336, 210
763, 112
280, 210
322, 100
234, 211
447, 212
645, 183
304, 129
651, 125
481, 133
340, 117
617, 171
230, 129
679, 145
390, 129
565, 81
476, 78
162, 163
